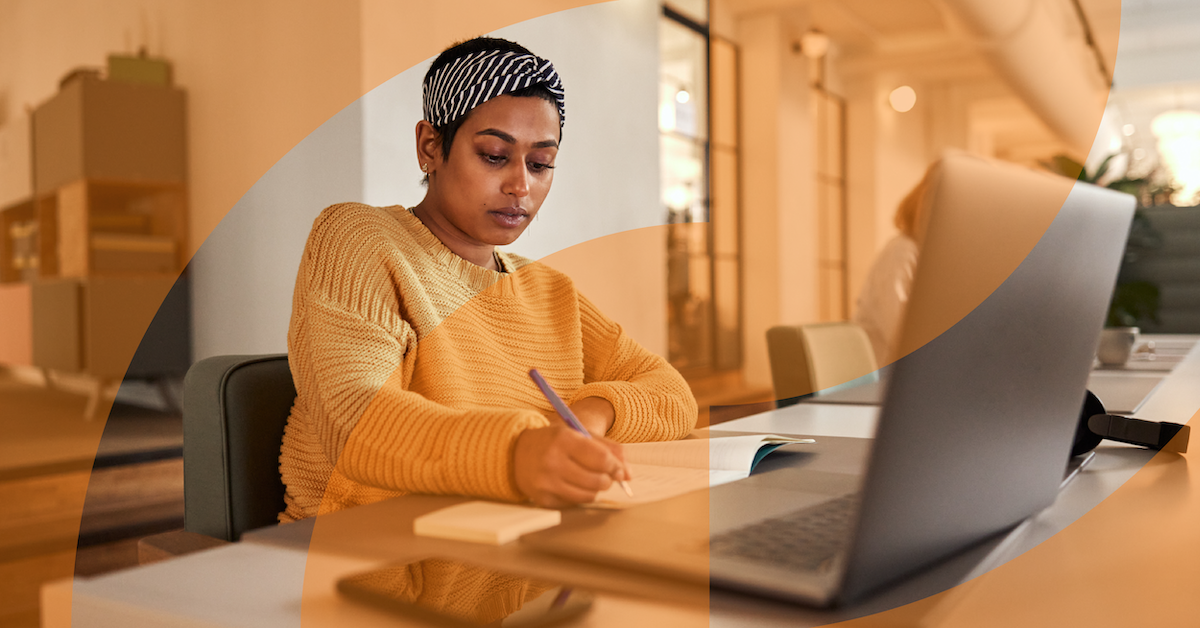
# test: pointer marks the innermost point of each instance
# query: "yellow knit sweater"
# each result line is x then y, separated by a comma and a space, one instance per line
411, 363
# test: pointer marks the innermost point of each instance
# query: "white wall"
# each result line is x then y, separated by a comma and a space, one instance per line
606, 181
799, 232
762, 39
779, 229
901, 151
244, 273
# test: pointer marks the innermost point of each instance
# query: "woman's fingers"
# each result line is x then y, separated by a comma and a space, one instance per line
596, 457
619, 452
557, 466
566, 483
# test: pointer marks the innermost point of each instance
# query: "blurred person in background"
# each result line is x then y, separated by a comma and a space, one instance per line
884, 294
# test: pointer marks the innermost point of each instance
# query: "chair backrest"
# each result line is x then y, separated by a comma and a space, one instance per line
811, 358
234, 411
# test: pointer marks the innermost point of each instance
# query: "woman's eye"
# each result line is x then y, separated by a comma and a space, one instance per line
492, 159
539, 167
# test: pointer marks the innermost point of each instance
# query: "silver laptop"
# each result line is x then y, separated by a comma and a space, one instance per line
976, 425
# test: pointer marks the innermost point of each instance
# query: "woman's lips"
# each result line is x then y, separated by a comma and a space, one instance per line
511, 218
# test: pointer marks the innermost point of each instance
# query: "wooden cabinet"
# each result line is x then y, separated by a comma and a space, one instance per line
113, 228
86, 262
117, 131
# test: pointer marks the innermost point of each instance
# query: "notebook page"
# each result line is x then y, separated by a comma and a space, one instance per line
653, 483
729, 453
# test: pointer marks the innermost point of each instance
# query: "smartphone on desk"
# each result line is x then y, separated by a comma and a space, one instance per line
450, 592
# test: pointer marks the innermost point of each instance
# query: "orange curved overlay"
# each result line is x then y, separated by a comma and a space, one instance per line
414, 31
1129, 561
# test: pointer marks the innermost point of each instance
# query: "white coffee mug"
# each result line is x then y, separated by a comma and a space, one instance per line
1116, 344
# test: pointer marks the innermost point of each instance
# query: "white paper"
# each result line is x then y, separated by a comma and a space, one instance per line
667, 469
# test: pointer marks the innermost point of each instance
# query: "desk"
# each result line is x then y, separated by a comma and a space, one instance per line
1122, 388
1151, 502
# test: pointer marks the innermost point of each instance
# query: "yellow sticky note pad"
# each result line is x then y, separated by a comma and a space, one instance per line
485, 522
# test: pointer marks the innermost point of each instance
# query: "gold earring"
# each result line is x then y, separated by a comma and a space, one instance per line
425, 168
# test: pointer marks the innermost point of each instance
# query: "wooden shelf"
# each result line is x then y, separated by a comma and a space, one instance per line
113, 228
17, 217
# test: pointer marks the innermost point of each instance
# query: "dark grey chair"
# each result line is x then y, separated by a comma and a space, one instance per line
234, 411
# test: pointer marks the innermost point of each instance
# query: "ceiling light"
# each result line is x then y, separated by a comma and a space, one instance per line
682, 96
666, 117
1176, 122
678, 197
1127, 130
1178, 133
814, 44
903, 98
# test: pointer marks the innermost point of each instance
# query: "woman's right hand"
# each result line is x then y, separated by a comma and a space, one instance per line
556, 466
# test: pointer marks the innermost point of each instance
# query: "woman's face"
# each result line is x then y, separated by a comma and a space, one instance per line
500, 169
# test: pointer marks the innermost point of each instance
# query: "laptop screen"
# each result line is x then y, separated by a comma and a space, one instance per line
1016, 271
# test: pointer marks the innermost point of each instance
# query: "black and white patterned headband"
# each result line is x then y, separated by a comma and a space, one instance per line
469, 81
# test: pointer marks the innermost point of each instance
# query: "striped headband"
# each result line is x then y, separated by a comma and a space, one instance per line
469, 81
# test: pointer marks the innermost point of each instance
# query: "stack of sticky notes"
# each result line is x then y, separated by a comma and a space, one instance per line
485, 522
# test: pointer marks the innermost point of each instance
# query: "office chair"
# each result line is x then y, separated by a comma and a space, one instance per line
811, 358
234, 411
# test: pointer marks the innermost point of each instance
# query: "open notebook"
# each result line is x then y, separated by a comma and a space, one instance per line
666, 469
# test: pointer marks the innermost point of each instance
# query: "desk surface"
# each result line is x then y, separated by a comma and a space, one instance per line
1064, 575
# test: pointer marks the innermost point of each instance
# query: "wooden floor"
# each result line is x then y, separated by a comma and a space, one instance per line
75, 495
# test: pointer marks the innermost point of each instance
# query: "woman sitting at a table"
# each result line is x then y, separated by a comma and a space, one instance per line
412, 334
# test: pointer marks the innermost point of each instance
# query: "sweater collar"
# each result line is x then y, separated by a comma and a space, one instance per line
475, 277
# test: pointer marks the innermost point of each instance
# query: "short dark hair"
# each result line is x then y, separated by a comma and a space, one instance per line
479, 44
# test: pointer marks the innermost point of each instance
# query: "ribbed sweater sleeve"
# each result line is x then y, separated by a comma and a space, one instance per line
651, 399
407, 443
346, 337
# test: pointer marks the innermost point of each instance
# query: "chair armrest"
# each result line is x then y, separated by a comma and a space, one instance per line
162, 546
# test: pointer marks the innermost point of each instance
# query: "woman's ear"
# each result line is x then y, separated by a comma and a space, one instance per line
429, 146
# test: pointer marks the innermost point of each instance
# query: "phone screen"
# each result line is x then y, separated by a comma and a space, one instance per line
451, 592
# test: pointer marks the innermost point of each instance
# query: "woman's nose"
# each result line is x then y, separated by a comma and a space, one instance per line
517, 181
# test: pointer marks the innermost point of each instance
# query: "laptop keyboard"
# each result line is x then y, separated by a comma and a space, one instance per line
807, 539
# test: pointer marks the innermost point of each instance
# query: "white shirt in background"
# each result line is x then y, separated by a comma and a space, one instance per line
884, 296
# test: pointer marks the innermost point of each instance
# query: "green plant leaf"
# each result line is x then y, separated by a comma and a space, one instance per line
1132, 302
